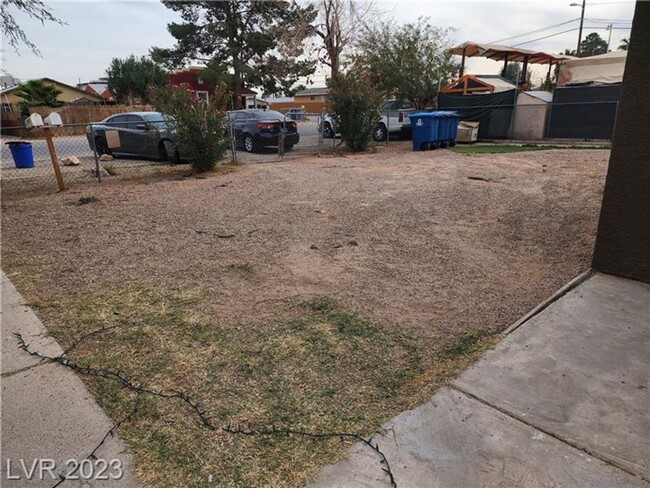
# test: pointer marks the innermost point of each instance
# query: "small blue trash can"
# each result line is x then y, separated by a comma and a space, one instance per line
425, 126
23, 153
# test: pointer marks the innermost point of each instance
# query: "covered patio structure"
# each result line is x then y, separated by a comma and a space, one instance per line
506, 54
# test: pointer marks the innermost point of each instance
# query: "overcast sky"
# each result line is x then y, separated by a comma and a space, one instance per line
98, 31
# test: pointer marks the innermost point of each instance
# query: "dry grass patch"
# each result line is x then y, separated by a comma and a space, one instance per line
319, 367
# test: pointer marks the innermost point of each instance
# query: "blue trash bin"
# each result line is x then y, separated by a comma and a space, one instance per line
448, 130
425, 126
23, 153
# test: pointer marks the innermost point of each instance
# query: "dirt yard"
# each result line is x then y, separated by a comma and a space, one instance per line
323, 294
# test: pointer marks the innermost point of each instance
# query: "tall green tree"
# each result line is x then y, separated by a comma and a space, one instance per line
130, 78
591, 45
37, 93
247, 42
12, 32
409, 61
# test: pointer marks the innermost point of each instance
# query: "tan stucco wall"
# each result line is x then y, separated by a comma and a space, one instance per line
67, 95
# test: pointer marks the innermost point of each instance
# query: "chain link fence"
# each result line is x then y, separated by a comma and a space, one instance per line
83, 153
265, 136
130, 147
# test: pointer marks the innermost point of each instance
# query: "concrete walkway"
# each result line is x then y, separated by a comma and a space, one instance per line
562, 401
48, 415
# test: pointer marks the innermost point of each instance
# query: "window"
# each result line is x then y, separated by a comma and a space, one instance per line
203, 95
200, 80
117, 121
132, 121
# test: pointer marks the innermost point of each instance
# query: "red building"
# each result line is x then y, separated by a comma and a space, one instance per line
191, 76
98, 88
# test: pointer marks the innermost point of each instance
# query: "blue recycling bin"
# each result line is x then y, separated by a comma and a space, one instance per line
448, 128
23, 153
425, 126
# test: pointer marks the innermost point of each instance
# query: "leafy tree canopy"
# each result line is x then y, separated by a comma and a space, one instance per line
409, 61
253, 43
37, 93
625, 43
591, 45
129, 78
12, 32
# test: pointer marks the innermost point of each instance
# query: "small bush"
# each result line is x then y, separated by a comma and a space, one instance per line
86, 200
355, 102
199, 124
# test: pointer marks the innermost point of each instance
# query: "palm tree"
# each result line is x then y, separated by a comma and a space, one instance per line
625, 43
37, 93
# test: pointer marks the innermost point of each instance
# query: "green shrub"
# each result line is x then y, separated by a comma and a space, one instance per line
354, 102
200, 124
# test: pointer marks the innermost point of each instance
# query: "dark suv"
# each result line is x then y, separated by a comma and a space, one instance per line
141, 134
257, 129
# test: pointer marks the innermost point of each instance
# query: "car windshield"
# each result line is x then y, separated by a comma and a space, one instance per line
269, 114
159, 121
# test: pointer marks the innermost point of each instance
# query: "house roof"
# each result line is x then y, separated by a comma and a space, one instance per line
55, 82
498, 82
478, 84
541, 95
313, 91
98, 87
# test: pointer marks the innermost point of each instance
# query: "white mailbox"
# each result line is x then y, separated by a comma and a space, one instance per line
33, 120
53, 120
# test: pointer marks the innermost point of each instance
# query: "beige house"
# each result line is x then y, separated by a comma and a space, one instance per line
69, 94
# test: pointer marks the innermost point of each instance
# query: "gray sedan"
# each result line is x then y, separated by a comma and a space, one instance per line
139, 134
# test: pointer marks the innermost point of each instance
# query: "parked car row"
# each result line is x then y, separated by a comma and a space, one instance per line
149, 135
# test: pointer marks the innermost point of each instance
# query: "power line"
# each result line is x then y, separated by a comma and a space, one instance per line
535, 31
568, 30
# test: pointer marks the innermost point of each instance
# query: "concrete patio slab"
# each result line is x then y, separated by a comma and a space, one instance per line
48, 415
562, 401
581, 370
454, 441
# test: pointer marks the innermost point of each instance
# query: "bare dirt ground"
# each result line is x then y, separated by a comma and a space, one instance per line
431, 247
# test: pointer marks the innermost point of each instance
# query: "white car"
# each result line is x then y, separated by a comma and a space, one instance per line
394, 120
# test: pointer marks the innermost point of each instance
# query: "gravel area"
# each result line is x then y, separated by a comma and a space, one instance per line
410, 238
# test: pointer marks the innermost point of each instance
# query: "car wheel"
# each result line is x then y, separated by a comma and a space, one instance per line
176, 158
452, 143
248, 143
380, 133
101, 147
288, 147
328, 132
162, 152
444, 143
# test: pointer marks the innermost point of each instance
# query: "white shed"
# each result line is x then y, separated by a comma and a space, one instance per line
531, 115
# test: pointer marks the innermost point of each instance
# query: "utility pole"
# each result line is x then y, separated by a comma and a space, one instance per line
582, 19
610, 28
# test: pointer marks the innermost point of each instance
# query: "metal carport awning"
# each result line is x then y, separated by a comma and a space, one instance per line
497, 52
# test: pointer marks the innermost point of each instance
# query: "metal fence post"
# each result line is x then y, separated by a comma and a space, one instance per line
92, 137
233, 146
321, 131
